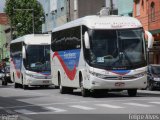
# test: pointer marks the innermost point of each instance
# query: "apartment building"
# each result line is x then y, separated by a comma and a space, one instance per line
4, 36
58, 12
148, 12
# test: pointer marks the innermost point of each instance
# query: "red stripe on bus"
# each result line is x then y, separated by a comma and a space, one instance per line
70, 73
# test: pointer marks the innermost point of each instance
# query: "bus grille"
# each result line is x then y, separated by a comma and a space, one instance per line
120, 78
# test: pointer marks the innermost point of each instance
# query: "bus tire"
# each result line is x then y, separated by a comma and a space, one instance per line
25, 87
4, 82
62, 89
132, 92
16, 85
69, 90
84, 92
56, 87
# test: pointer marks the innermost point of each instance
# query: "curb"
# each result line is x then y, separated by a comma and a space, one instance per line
149, 92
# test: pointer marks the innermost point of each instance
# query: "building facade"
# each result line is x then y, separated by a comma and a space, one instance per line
148, 12
59, 12
4, 37
55, 14
81, 8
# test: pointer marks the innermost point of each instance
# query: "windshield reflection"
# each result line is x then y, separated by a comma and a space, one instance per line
38, 58
117, 49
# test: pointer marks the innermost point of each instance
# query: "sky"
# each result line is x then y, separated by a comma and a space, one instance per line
2, 4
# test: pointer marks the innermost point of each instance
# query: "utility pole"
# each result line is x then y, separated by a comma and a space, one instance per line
68, 11
111, 7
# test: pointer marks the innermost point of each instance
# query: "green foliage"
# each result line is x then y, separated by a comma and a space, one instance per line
21, 13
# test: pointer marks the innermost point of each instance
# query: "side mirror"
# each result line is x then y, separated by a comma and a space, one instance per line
150, 39
86, 40
23, 52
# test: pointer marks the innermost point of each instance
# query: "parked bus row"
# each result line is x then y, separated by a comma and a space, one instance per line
93, 53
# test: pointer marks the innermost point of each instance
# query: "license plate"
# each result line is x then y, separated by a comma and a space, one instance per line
45, 81
119, 84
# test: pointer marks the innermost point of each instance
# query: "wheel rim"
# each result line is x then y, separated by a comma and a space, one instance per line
60, 87
83, 91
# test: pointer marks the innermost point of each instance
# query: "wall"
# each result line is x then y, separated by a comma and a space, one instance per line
89, 7
150, 24
66, 12
54, 17
2, 42
143, 17
3, 19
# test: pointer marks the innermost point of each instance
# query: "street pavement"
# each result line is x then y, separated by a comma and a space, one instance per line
49, 104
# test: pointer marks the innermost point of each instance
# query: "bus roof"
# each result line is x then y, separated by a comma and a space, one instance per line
103, 22
34, 39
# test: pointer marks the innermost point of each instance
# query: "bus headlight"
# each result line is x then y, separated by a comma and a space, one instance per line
157, 79
30, 75
140, 74
97, 74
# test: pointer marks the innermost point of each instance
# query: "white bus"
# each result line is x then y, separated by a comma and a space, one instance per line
97, 53
30, 60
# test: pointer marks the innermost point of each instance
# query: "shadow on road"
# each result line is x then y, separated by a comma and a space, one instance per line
115, 94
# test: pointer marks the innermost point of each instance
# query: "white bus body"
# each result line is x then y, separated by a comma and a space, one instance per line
30, 60
99, 53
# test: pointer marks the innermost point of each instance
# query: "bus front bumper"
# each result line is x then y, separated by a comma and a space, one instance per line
39, 82
98, 83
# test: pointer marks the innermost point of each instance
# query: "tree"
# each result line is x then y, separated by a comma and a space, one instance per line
21, 14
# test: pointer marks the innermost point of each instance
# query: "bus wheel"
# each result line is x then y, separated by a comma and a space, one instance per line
16, 85
132, 92
84, 92
61, 88
25, 87
4, 82
56, 87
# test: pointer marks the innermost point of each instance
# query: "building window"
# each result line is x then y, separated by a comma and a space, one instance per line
75, 5
142, 4
62, 5
137, 7
53, 6
152, 11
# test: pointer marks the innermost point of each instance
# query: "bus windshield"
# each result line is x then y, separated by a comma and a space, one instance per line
38, 58
117, 49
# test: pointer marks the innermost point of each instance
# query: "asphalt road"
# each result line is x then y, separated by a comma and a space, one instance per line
49, 104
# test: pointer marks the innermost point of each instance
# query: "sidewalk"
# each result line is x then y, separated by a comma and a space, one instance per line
149, 92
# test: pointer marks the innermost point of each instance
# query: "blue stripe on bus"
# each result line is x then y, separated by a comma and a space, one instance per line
120, 72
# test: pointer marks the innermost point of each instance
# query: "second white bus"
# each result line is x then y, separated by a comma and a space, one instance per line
30, 60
